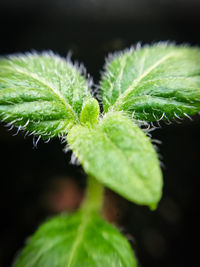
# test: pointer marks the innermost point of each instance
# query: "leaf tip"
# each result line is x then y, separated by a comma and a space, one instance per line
153, 206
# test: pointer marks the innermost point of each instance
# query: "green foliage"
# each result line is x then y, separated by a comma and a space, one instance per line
77, 240
47, 96
118, 154
90, 112
152, 83
41, 93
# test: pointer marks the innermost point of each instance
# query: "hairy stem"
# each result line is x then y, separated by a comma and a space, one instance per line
94, 195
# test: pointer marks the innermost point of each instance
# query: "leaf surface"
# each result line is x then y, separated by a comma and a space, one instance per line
119, 155
90, 112
76, 240
154, 82
41, 93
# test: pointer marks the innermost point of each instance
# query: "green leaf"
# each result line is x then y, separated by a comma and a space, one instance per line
154, 82
76, 240
118, 154
90, 112
41, 93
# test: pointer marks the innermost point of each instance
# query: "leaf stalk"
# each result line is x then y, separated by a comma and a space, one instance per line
94, 196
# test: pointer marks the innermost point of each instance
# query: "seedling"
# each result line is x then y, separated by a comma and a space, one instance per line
47, 96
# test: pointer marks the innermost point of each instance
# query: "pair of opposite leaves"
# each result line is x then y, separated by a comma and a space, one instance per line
47, 96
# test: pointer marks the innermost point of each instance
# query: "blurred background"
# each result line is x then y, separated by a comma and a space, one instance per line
39, 182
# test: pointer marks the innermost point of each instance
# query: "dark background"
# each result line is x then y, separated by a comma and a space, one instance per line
36, 183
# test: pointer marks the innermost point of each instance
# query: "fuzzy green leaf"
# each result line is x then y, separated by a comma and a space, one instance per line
118, 154
77, 240
41, 93
90, 112
154, 82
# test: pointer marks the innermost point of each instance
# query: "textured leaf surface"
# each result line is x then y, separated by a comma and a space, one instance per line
74, 241
155, 82
90, 112
41, 93
118, 154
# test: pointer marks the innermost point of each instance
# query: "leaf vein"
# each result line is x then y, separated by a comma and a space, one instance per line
85, 218
120, 152
142, 76
46, 84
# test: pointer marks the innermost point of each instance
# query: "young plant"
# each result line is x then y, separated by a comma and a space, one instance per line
47, 96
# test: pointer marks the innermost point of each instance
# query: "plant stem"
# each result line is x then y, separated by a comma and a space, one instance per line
94, 195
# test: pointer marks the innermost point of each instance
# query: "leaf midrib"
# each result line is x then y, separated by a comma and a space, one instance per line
143, 182
84, 221
46, 84
119, 100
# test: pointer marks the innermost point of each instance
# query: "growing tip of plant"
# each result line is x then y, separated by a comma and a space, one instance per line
90, 112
